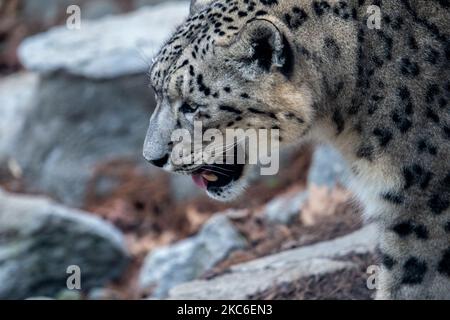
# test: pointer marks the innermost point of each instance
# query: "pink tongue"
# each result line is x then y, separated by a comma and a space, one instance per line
199, 181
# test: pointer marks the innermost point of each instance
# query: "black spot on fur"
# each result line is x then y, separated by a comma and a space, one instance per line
339, 87
342, 10
320, 7
447, 227
432, 91
446, 130
296, 18
242, 14
404, 93
442, 103
191, 71
260, 13
421, 232
365, 152
384, 136
401, 121
412, 43
424, 146
202, 88
397, 24
388, 261
393, 197
432, 28
438, 204
230, 109
409, 68
416, 174
444, 3
338, 119
414, 271
378, 61
432, 56
269, 2
430, 114
403, 229
446, 182
444, 264
407, 228
332, 48
388, 44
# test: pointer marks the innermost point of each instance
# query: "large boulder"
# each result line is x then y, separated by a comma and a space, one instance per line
77, 123
245, 280
284, 209
48, 12
39, 240
93, 102
186, 260
16, 93
328, 168
107, 48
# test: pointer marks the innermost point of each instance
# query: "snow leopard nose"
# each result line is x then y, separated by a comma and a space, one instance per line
160, 162
157, 144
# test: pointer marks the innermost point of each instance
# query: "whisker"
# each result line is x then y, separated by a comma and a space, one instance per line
213, 171
219, 168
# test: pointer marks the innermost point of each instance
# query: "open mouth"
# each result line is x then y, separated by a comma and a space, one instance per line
217, 176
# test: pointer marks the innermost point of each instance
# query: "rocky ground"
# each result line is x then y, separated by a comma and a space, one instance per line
134, 231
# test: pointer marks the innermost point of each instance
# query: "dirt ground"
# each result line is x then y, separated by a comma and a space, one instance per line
343, 285
143, 208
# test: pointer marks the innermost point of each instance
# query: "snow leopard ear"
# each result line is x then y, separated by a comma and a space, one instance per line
261, 48
198, 5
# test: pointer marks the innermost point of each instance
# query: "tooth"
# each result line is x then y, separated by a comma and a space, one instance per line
210, 177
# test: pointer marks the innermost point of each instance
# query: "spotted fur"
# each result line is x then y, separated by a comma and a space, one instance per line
315, 70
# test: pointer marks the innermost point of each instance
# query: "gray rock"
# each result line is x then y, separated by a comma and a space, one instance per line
107, 48
16, 93
77, 123
92, 104
328, 167
188, 259
39, 240
99, 8
142, 3
46, 12
285, 208
258, 275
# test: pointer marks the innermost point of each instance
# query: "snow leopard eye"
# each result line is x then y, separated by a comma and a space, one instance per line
187, 108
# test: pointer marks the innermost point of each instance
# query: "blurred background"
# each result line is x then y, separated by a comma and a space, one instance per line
75, 191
